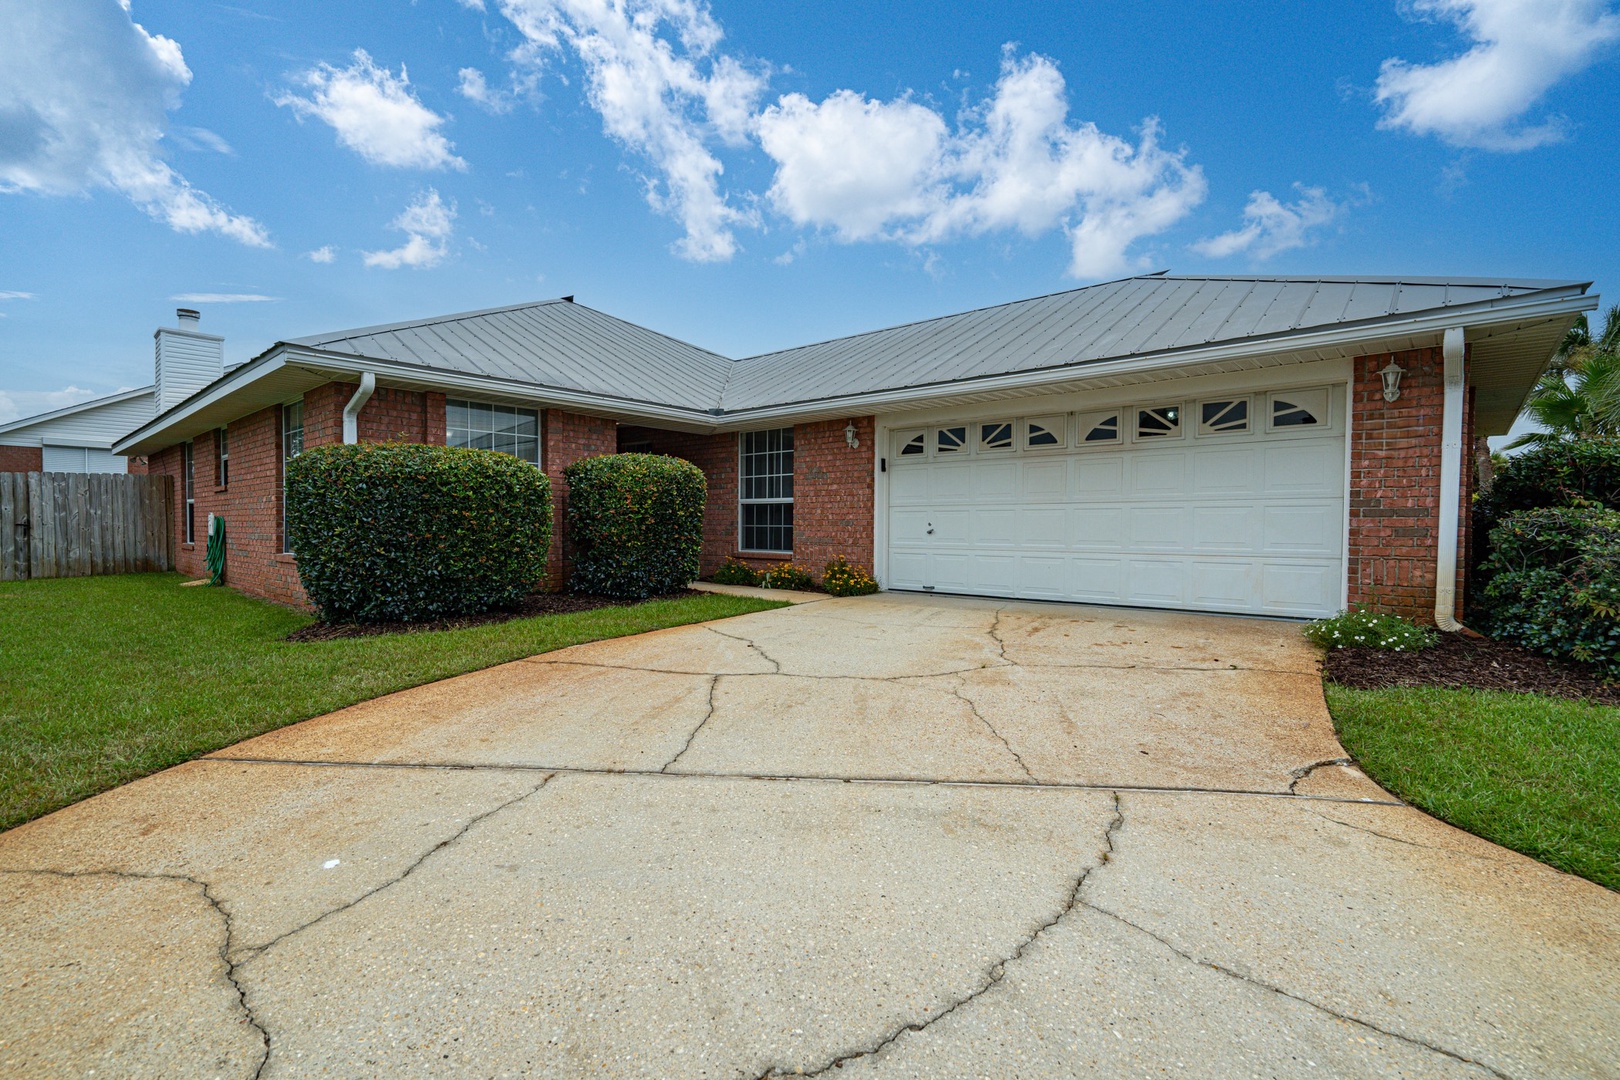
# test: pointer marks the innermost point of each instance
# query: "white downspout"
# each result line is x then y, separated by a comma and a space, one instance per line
1451, 457
351, 411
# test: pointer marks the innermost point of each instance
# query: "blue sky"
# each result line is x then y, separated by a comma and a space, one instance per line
749, 176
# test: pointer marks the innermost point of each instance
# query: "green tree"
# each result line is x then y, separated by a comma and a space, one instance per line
1579, 396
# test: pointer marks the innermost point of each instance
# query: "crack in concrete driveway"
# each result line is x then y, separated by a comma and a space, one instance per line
842, 836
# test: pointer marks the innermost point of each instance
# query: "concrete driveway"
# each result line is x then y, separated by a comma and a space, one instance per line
892, 835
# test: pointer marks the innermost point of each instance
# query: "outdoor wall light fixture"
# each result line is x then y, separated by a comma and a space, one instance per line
852, 437
1392, 373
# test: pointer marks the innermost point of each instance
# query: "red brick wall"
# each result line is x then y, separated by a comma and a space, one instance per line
251, 506
832, 493
137, 466
21, 459
716, 455
1395, 485
566, 438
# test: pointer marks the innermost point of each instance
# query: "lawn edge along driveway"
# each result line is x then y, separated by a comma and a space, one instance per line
1540, 775
108, 679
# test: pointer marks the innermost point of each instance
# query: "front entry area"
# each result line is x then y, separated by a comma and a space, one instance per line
1208, 500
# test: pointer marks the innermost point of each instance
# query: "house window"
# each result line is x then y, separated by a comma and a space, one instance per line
766, 491
189, 482
222, 458
481, 426
292, 444
1159, 422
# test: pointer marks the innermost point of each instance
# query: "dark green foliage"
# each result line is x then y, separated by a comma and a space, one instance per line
1567, 474
1370, 629
735, 572
1552, 585
636, 524
403, 532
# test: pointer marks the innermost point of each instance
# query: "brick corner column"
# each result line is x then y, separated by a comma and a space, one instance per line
566, 438
833, 493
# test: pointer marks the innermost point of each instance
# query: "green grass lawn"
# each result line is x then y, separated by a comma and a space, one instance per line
106, 679
1537, 774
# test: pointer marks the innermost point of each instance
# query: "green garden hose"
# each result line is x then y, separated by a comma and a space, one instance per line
216, 550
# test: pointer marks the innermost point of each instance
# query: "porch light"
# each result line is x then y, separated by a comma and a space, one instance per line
852, 437
1392, 373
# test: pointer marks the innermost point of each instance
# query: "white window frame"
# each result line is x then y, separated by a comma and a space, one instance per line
286, 548
1205, 432
1319, 404
539, 440
743, 500
222, 457
903, 438
1087, 421
1057, 424
188, 477
1135, 412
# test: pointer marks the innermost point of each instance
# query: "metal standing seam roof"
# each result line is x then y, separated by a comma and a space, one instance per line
1139, 316
553, 343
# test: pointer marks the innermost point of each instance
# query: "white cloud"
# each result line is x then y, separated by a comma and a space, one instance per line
896, 170
16, 295
196, 138
652, 73
427, 224
323, 254
16, 404
1521, 49
223, 298
375, 114
1271, 226
85, 95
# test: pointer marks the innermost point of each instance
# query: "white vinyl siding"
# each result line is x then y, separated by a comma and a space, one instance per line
1216, 515
186, 362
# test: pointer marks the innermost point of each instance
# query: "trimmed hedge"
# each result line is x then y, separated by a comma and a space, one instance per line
1553, 585
635, 522
1569, 474
400, 532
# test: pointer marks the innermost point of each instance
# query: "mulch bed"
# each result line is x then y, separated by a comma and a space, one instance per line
1464, 662
532, 605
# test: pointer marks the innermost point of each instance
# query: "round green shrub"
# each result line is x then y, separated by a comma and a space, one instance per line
635, 522
1568, 474
397, 532
1553, 585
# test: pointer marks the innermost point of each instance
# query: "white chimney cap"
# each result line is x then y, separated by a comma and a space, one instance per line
188, 316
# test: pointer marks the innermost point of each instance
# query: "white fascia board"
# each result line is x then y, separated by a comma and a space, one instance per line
1433, 323
219, 389
110, 399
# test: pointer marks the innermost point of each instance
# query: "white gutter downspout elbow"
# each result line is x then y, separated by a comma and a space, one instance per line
1451, 458
351, 411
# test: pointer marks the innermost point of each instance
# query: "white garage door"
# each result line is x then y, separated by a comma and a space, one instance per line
1229, 502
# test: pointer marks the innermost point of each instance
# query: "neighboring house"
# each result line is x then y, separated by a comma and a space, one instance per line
1212, 444
79, 438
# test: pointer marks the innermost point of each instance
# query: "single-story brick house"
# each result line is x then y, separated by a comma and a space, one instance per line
1278, 446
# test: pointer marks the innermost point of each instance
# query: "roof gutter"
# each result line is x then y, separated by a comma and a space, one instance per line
1451, 457
351, 411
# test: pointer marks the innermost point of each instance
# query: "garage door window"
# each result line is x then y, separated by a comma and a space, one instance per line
1159, 422
996, 436
1298, 408
951, 440
913, 445
1226, 417
1100, 428
1045, 432
767, 491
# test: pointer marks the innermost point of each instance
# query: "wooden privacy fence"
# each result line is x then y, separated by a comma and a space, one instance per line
78, 524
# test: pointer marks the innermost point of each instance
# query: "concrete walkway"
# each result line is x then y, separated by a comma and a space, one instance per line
898, 836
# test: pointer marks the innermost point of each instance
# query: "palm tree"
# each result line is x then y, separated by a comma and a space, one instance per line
1579, 396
